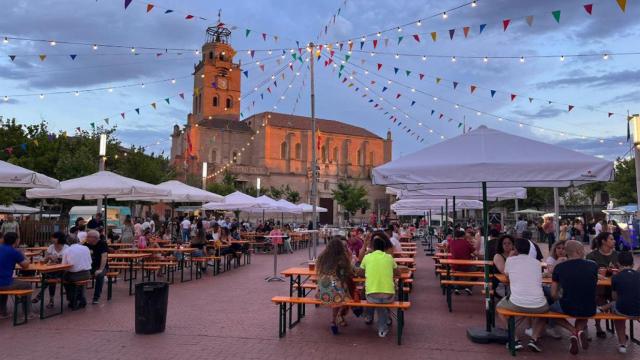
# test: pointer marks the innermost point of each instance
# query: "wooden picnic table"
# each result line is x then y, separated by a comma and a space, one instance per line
131, 258
547, 281
405, 261
119, 245
43, 269
404, 254
37, 248
465, 262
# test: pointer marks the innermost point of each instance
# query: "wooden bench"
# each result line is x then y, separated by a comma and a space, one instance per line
512, 315
20, 297
283, 301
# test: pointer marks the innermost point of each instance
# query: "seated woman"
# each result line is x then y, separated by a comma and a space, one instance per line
556, 256
606, 257
53, 255
503, 251
225, 245
335, 281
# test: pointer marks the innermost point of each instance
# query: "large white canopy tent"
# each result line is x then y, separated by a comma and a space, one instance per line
308, 208
234, 201
494, 194
433, 204
179, 192
487, 158
14, 176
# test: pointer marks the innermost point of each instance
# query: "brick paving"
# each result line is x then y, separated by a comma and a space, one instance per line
230, 316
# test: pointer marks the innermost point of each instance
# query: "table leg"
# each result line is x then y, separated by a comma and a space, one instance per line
43, 285
130, 277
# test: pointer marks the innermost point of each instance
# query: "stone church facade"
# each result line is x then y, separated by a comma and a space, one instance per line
272, 146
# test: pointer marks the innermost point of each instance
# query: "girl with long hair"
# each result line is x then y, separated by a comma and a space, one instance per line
335, 280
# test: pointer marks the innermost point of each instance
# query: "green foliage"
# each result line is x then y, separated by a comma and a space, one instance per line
623, 188
282, 192
351, 197
293, 196
224, 187
66, 157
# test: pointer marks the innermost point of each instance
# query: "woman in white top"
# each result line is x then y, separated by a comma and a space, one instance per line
53, 255
556, 255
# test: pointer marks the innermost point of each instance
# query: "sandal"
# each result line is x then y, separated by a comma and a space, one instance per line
341, 321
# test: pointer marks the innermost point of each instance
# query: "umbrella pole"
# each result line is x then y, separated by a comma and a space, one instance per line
446, 216
442, 222
454, 212
106, 218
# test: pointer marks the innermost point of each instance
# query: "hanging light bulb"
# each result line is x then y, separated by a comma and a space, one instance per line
110, 89
397, 56
474, 3
133, 49
269, 52
142, 85
6, 98
413, 90
444, 15
52, 43
5, 40
77, 93
478, 113
419, 23
399, 29
95, 47
197, 52
605, 56
41, 96
521, 59
485, 59
499, 119
435, 98
173, 81
419, 124
424, 58
372, 53
378, 34
562, 58
453, 59
521, 125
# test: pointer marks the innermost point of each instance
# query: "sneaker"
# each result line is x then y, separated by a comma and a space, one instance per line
382, 333
456, 291
583, 339
468, 291
334, 329
574, 346
95, 301
518, 345
552, 332
528, 332
622, 349
534, 346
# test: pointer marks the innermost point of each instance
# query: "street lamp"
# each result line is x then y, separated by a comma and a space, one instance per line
634, 126
204, 175
102, 154
103, 146
258, 187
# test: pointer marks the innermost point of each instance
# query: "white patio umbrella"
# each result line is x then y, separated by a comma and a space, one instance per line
179, 192
529, 211
486, 158
234, 201
308, 208
431, 204
17, 209
494, 194
103, 184
289, 205
15, 176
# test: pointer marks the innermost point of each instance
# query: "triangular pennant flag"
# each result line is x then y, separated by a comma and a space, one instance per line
459, 125
395, 70
465, 30
408, 72
556, 15
421, 76
384, 88
482, 26
570, 107
530, 100
610, 114
413, 102
12, 57
588, 8
167, 100
416, 37
505, 24
269, 89
622, 4
127, 3
246, 73
473, 88
441, 116
150, 7
264, 37
375, 43
153, 105
262, 67
451, 32
398, 95
106, 121
493, 92
513, 97
361, 44
347, 57
529, 20
122, 114
188, 17
400, 39
252, 53
432, 111
434, 36
137, 110
42, 57
247, 32
168, 11
73, 56
455, 85
340, 46
386, 42
379, 67
93, 125
275, 83
341, 67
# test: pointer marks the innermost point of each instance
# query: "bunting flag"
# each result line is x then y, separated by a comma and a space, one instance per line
246, 73
398, 95
73, 56
153, 105
375, 43
12, 57
188, 17
106, 121
529, 20
167, 100
408, 72
610, 114
513, 97
570, 107
122, 114
556, 15
530, 100
455, 85
395, 70
264, 38
465, 30
137, 110
127, 3
150, 7
438, 80
399, 40
505, 24
379, 66
421, 76
432, 111
413, 102
384, 88
42, 57
451, 32
588, 8
168, 11
482, 26
473, 88
362, 44
386, 42
434, 36
622, 4
416, 37
93, 126
247, 32
493, 92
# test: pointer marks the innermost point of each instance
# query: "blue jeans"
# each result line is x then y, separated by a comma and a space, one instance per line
382, 313
186, 234
97, 288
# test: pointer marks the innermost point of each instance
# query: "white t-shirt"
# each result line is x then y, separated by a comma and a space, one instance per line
551, 261
521, 226
598, 228
52, 252
145, 225
186, 224
525, 278
396, 243
78, 256
152, 226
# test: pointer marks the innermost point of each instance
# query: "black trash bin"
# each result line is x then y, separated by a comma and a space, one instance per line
151, 307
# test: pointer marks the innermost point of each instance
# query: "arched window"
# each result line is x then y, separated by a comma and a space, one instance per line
335, 154
323, 153
371, 158
235, 157
298, 151
215, 100
326, 186
213, 156
229, 103
221, 56
284, 150
359, 157
210, 55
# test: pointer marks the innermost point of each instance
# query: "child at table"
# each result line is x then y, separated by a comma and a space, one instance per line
141, 241
626, 293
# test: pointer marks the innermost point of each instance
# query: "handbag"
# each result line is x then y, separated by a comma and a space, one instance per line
331, 291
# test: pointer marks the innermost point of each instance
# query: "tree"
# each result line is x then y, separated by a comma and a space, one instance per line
590, 190
623, 187
293, 196
226, 186
351, 197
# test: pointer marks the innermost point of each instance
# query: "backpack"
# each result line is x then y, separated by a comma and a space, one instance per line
331, 290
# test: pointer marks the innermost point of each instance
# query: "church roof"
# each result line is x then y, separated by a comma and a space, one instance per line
225, 124
323, 125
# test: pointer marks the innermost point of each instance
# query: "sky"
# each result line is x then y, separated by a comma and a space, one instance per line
594, 86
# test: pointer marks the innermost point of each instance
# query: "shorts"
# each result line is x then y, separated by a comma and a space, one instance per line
506, 304
615, 311
555, 307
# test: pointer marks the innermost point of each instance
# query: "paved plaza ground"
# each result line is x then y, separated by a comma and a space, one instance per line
230, 316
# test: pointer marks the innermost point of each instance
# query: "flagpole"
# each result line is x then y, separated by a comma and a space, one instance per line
314, 175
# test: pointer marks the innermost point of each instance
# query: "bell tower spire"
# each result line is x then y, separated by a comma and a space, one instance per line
217, 79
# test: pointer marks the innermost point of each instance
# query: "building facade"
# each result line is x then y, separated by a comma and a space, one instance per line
271, 146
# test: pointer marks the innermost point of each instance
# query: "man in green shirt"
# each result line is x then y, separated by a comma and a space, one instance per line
379, 269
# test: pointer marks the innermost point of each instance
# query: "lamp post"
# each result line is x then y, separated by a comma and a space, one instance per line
258, 187
634, 125
205, 171
102, 157
314, 164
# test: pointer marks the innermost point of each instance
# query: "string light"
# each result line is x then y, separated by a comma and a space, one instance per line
52, 43
485, 59
41, 96
474, 3
133, 49
419, 23
77, 93
5, 40
562, 58
110, 89
605, 56
173, 81
6, 98
453, 59
444, 15
521, 59
424, 58
397, 56
95, 47
399, 29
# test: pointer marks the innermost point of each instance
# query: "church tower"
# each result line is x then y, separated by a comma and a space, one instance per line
216, 79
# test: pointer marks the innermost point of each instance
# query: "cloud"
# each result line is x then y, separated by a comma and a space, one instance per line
544, 113
628, 97
9, 101
610, 148
610, 79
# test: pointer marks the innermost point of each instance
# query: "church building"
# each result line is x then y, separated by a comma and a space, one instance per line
274, 147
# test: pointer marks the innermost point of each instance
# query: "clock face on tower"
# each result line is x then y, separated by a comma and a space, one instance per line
222, 83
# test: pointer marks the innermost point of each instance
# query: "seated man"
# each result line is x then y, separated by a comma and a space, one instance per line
99, 250
79, 257
461, 249
578, 279
525, 281
9, 258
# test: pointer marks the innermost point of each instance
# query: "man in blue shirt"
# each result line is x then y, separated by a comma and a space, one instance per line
9, 257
